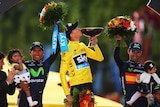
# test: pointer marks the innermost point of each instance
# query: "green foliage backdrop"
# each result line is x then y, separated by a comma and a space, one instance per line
19, 26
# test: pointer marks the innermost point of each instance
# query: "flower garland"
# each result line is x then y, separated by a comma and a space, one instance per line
123, 26
51, 13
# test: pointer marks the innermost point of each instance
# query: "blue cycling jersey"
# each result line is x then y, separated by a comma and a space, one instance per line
39, 72
128, 72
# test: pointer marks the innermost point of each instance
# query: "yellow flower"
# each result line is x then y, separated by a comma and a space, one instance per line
52, 4
121, 25
88, 92
116, 22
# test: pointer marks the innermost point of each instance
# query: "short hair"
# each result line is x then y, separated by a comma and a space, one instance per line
1, 55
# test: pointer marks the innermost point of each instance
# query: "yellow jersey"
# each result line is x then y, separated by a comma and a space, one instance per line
75, 63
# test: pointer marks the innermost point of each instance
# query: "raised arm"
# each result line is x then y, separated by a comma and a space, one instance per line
96, 53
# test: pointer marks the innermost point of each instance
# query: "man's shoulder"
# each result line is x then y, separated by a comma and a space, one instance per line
82, 43
136, 63
28, 61
2, 72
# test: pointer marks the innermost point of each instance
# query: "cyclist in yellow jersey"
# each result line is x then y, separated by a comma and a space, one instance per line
75, 63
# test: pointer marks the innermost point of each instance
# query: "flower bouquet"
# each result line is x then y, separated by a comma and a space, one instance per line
51, 14
84, 98
123, 26
51, 17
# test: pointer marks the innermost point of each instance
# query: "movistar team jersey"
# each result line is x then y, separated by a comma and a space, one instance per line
128, 72
39, 73
76, 63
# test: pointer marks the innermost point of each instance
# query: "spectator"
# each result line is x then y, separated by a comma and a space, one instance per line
156, 94
7, 85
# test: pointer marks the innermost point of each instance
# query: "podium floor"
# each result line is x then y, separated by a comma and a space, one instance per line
53, 95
